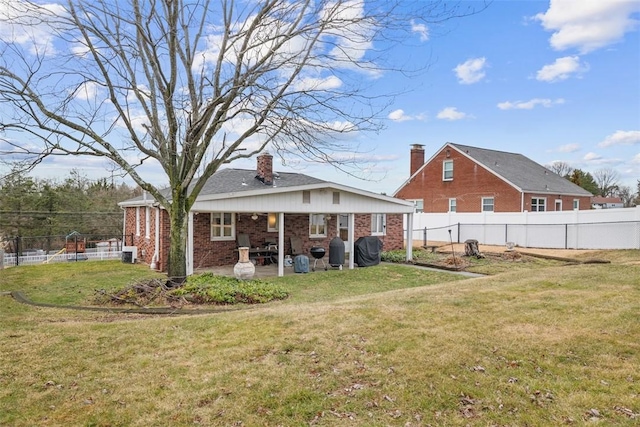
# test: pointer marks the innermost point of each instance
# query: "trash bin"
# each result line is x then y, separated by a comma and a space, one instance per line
336, 252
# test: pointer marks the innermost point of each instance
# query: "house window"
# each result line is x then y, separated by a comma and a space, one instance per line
538, 204
487, 204
447, 170
576, 204
317, 225
147, 221
378, 224
452, 205
223, 226
336, 197
272, 222
306, 196
419, 205
137, 220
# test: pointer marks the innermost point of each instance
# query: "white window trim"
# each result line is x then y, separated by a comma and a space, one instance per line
444, 170
137, 220
316, 235
576, 204
374, 224
147, 222
493, 204
455, 202
544, 204
232, 226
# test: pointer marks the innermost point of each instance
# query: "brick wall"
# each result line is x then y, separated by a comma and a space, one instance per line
469, 185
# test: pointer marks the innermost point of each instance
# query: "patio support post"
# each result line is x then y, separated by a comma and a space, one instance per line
409, 245
352, 254
280, 244
189, 251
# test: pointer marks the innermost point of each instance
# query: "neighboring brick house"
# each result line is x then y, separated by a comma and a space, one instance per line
254, 202
460, 178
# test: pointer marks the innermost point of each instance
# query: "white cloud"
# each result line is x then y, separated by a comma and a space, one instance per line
529, 105
86, 91
471, 71
591, 156
621, 137
400, 116
451, 113
588, 24
569, 148
421, 29
561, 69
26, 25
636, 159
327, 83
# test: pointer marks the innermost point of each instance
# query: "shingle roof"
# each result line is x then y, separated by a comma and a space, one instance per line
239, 180
522, 172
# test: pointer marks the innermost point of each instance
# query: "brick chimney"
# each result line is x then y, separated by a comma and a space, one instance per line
417, 158
265, 168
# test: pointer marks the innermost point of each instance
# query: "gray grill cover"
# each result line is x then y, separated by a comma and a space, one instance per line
336, 252
367, 251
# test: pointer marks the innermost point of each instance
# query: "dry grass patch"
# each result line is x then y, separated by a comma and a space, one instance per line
558, 346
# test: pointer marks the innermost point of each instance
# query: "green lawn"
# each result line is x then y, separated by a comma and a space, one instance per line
381, 346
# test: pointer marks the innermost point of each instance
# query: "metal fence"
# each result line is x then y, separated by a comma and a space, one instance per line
52, 249
605, 229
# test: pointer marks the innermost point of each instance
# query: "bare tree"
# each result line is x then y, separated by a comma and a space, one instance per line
561, 168
607, 181
625, 194
192, 85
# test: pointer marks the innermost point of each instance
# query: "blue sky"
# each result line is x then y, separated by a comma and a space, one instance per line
554, 81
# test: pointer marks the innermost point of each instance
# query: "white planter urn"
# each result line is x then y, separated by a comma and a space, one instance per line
244, 268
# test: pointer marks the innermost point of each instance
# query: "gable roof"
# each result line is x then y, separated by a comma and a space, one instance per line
228, 183
520, 171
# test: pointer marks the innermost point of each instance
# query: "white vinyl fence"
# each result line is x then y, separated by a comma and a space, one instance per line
42, 258
586, 229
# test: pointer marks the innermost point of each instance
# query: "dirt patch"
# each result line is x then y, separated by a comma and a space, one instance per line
444, 247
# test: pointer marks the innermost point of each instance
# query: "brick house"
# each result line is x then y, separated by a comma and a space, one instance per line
460, 178
270, 208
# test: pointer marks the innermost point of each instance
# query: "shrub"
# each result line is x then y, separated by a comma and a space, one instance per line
397, 256
208, 288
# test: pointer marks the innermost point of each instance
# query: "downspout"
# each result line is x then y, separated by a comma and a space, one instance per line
522, 201
124, 226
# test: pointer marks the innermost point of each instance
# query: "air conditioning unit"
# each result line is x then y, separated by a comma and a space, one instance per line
129, 254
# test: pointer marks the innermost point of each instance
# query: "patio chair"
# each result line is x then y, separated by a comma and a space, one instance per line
296, 246
243, 240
